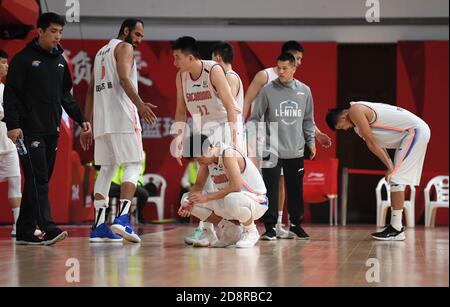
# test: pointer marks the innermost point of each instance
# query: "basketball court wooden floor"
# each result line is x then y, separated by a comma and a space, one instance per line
335, 256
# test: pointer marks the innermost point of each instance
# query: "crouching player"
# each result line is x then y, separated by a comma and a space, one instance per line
241, 193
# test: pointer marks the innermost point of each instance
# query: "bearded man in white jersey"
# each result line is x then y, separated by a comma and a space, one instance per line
203, 90
261, 79
114, 105
385, 126
240, 195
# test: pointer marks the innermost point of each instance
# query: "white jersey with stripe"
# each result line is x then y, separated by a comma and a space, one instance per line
114, 112
271, 74
390, 124
252, 182
239, 99
201, 98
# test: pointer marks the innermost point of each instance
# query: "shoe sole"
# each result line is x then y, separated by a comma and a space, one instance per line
201, 245
266, 238
29, 243
246, 245
390, 238
56, 239
102, 240
119, 230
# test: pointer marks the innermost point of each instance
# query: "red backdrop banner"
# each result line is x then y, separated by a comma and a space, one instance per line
157, 85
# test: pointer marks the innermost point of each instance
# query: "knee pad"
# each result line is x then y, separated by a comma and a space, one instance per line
397, 187
231, 204
131, 172
234, 206
103, 181
14, 190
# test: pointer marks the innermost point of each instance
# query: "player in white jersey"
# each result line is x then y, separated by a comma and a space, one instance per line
9, 160
113, 96
260, 80
240, 195
385, 126
223, 54
203, 90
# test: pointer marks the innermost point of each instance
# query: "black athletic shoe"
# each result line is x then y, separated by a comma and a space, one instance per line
54, 236
389, 234
28, 240
269, 235
298, 232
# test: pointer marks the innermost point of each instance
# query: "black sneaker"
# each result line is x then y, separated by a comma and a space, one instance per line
389, 234
28, 240
269, 235
54, 236
298, 232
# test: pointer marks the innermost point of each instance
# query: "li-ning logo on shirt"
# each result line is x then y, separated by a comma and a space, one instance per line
60, 65
289, 111
36, 63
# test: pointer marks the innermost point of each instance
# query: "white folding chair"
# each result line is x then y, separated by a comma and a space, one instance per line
158, 200
440, 183
384, 204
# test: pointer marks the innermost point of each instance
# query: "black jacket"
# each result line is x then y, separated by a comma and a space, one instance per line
37, 85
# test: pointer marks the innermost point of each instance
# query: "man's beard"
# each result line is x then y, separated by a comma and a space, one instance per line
129, 40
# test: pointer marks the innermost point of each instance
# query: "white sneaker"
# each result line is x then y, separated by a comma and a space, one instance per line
281, 232
194, 236
228, 234
207, 238
249, 238
37, 232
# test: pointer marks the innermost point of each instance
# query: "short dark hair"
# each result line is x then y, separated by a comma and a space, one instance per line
46, 19
286, 56
3, 54
187, 45
225, 50
292, 46
129, 23
333, 117
196, 146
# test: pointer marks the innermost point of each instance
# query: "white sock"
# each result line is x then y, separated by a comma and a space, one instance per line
396, 219
249, 227
125, 205
280, 217
201, 224
99, 216
16, 212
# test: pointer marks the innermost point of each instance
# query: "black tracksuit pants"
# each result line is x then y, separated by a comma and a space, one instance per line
37, 167
293, 177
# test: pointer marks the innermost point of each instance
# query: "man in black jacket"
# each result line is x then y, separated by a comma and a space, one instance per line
38, 85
